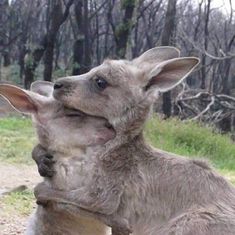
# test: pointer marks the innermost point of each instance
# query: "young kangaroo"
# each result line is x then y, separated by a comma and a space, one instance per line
72, 138
159, 193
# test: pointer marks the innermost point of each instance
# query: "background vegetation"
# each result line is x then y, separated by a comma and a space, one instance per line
47, 39
190, 139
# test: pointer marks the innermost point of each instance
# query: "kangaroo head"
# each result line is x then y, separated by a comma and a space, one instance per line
58, 127
118, 89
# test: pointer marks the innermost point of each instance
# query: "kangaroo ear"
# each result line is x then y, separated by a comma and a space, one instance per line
170, 73
157, 55
43, 88
19, 99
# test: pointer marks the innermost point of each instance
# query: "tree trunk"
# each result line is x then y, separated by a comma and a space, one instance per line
48, 60
81, 48
4, 12
6, 59
78, 52
206, 35
123, 30
225, 82
22, 52
31, 62
47, 44
87, 49
54, 22
56, 18
167, 39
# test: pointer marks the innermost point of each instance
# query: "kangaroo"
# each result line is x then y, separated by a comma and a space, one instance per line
157, 192
72, 138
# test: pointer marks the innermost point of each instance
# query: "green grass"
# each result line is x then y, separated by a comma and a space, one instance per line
193, 140
21, 203
17, 139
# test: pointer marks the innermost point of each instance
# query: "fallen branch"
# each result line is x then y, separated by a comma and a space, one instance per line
206, 109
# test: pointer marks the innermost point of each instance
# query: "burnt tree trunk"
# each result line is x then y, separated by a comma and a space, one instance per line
206, 35
167, 39
31, 62
48, 59
56, 18
81, 48
78, 47
4, 30
123, 29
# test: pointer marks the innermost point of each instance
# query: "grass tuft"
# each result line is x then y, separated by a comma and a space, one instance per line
193, 140
17, 139
21, 203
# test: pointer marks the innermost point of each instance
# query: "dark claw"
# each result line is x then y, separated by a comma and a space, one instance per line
45, 166
44, 161
45, 171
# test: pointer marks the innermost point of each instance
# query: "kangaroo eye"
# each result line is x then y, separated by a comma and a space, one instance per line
101, 83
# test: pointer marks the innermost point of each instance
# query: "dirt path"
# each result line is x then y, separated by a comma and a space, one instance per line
12, 176
16, 175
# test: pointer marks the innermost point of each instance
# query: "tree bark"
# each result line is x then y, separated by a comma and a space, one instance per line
55, 16
47, 43
31, 62
206, 35
4, 9
81, 48
122, 31
167, 39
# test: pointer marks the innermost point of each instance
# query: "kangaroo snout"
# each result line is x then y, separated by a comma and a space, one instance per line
62, 87
62, 84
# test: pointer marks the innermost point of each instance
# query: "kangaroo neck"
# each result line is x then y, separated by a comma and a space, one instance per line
123, 153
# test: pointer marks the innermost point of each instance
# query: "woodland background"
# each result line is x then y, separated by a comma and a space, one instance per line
47, 39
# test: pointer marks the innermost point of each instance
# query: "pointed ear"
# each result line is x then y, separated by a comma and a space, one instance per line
43, 88
19, 99
157, 55
170, 73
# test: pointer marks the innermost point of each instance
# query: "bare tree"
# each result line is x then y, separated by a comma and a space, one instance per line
37, 36
81, 49
122, 29
5, 39
168, 39
55, 18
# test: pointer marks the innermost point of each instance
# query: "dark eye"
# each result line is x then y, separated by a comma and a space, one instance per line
101, 83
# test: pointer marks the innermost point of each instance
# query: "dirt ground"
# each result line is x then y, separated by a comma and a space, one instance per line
13, 176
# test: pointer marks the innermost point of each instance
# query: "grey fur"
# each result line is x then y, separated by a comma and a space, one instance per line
157, 192
73, 141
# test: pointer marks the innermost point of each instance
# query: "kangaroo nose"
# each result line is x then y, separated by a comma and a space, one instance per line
58, 85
